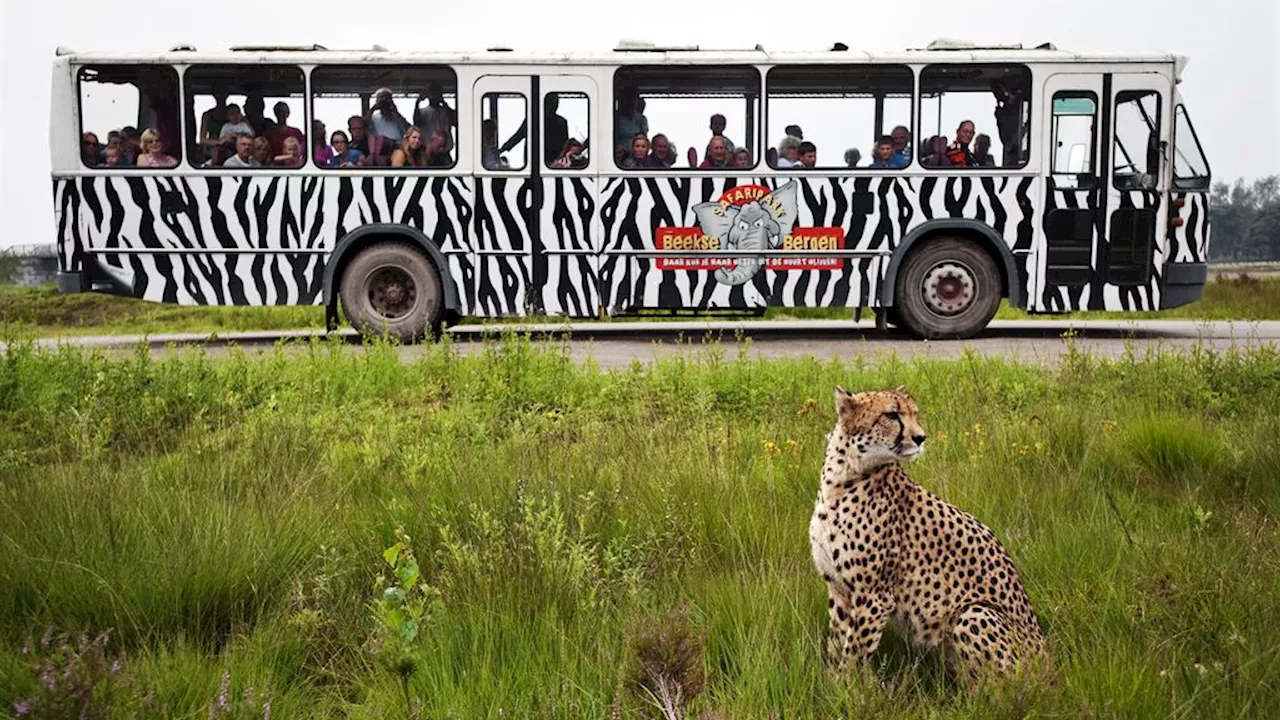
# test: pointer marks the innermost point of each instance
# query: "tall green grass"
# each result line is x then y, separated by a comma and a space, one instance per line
229, 517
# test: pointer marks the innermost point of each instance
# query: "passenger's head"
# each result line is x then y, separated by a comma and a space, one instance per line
382, 99
660, 146
717, 124
281, 111
884, 148
355, 126
292, 147
571, 147
982, 144
901, 138
254, 105
794, 131
339, 142
789, 148
742, 157
808, 154
234, 115
152, 142
412, 138
89, 145
433, 92
964, 133
718, 151
261, 150
111, 156
435, 142
639, 146
852, 157
244, 146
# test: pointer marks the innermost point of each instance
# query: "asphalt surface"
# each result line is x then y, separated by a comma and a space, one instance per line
619, 344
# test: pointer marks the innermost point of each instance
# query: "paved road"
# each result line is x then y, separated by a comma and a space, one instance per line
618, 344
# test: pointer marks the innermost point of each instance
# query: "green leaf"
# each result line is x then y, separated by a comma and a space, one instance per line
391, 553
407, 573
408, 630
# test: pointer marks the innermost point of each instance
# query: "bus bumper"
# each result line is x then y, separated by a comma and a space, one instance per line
1183, 284
70, 282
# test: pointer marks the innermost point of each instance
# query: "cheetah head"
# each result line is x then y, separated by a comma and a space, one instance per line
878, 426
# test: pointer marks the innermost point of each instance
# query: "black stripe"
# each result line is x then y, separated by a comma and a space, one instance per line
1096, 299
538, 257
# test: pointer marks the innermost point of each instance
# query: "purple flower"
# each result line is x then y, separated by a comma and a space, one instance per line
22, 708
115, 666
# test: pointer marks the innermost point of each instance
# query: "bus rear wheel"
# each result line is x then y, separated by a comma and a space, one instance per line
392, 289
948, 290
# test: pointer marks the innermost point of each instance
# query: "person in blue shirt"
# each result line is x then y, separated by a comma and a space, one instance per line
344, 155
885, 157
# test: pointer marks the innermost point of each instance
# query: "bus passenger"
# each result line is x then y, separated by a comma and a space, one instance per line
853, 156
884, 157
244, 153
343, 155
639, 157
808, 154
385, 118
982, 151
262, 151
411, 153
437, 115
742, 158
901, 146
717, 154
788, 152
153, 154
662, 153
958, 153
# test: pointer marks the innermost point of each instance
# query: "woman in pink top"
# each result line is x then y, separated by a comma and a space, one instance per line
153, 154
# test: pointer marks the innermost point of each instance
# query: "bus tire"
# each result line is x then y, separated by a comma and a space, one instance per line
949, 289
392, 289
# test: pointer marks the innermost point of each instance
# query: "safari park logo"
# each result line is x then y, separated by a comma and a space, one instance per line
749, 217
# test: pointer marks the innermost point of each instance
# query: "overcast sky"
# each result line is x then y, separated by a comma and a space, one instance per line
1231, 84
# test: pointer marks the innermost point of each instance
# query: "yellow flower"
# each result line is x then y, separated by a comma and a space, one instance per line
770, 448
793, 447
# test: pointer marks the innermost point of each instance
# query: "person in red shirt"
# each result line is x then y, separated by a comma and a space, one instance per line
281, 130
958, 152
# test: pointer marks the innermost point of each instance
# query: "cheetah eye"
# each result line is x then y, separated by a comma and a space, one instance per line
891, 415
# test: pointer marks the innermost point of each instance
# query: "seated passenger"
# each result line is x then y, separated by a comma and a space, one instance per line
901, 145
412, 152
111, 156
933, 152
662, 154
884, 157
291, 155
435, 143
342, 154
153, 154
262, 151
90, 150
852, 157
788, 152
742, 158
244, 153
570, 155
958, 154
717, 154
281, 130
982, 151
808, 154
639, 156
374, 148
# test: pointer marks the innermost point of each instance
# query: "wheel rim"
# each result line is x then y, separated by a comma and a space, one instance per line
949, 288
392, 292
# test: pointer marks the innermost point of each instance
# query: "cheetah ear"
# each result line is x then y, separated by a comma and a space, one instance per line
902, 389
845, 403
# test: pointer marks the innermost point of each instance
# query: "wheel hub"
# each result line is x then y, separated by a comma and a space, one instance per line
949, 288
392, 292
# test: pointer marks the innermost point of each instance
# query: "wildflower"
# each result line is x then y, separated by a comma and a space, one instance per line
1201, 669
115, 666
22, 708
770, 448
793, 447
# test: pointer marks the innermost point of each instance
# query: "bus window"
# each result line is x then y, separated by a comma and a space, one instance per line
504, 115
565, 142
129, 116
360, 112
1074, 136
957, 106
1137, 148
712, 112
246, 116
843, 113
1190, 167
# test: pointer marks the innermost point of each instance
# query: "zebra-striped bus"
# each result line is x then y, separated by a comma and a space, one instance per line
412, 189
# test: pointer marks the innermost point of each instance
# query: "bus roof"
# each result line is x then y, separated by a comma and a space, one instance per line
627, 53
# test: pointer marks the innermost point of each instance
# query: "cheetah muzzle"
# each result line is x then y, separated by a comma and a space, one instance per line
888, 548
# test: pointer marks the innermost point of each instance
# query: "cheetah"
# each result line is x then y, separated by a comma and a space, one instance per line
889, 549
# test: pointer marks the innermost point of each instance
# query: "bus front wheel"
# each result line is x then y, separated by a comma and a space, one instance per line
392, 289
948, 289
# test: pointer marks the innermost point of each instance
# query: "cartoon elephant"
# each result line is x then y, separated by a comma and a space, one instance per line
757, 225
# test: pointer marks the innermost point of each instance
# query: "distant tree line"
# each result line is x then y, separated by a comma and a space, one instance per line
1246, 221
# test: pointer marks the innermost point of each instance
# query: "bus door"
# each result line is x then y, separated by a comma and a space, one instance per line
1103, 217
569, 225
506, 193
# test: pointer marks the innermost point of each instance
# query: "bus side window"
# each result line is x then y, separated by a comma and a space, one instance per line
1074, 140
246, 116
1137, 141
565, 143
957, 105
129, 116
504, 115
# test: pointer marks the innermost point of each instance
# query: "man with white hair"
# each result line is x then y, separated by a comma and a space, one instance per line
789, 152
